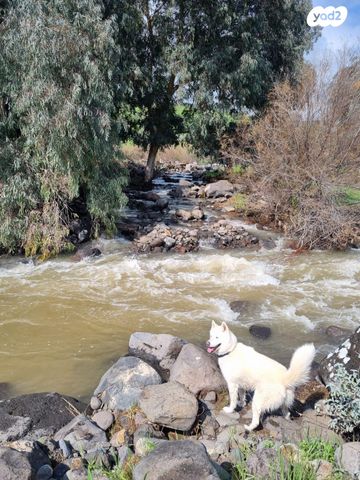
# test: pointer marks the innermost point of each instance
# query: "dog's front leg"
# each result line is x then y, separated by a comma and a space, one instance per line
233, 393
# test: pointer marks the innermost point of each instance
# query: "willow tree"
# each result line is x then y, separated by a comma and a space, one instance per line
60, 81
214, 58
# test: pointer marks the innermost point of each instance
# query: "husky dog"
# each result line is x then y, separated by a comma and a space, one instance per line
272, 383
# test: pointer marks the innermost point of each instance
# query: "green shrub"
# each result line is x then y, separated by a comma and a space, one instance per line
343, 405
240, 201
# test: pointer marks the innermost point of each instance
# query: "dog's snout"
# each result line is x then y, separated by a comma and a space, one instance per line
208, 343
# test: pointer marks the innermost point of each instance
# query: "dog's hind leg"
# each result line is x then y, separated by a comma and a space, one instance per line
266, 398
233, 393
256, 413
289, 400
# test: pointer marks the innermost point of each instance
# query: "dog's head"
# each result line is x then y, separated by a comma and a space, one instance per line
220, 340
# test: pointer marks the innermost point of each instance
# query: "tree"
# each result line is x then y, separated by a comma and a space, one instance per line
60, 80
214, 58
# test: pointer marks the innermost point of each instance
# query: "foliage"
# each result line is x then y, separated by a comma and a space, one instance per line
306, 149
238, 169
240, 201
315, 448
213, 58
59, 84
343, 404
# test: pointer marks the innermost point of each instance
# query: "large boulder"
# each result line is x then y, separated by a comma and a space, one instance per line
36, 415
195, 369
121, 386
222, 188
159, 350
346, 354
348, 458
82, 434
14, 465
170, 405
177, 460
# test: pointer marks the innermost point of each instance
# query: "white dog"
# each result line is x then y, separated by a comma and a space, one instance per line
272, 383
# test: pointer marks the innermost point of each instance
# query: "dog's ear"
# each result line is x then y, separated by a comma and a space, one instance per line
224, 327
213, 324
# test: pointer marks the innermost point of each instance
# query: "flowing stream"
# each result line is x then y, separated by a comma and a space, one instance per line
63, 322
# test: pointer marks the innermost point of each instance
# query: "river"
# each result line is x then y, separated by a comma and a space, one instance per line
62, 322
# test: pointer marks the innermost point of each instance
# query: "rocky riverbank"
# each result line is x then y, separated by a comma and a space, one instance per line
157, 414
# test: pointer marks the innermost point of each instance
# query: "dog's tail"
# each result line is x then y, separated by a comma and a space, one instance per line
300, 365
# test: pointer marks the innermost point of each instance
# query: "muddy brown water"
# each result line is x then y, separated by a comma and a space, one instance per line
62, 323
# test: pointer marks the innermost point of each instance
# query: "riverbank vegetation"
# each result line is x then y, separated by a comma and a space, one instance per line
78, 78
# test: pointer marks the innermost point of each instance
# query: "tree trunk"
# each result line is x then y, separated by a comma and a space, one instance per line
150, 165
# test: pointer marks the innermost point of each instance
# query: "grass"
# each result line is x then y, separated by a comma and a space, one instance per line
240, 201
296, 468
351, 195
238, 170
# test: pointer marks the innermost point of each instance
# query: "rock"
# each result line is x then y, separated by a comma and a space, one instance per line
162, 203
121, 386
260, 331
185, 215
159, 350
103, 419
198, 214
48, 412
35, 455
14, 465
157, 402
60, 471
44, 473
260, 463
239, 306
310, 393
348, 458
78, 474
124, 454
95, 403
210, 397
82, 434
195, 369
219, 189
209, 427
185, 183
227, 419
169, 242
338, 333
13, 427
177, 460
323, 469
65, 448
347, 355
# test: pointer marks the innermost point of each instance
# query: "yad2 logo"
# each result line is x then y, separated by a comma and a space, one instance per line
323, 17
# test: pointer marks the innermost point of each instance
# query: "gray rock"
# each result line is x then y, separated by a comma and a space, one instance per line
198, 214
210, 397
348, 458
95, 403
78, 474
103, 419
219, 189
185, 215
13, 427
121, 386
65, 448
159, 350
260, 331
347, 354
338, 333
195, 369
177, 460
170, 405
169, 242
323, 469
82, 434
239, 306
14, 465
185, 183
209, 427
33, 452
260, 463
227, 419
60, 471
124, 454
48, 412
44, 473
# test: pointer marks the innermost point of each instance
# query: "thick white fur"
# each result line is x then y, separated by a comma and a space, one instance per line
272, 383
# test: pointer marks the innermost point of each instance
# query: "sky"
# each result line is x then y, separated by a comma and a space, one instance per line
334, 38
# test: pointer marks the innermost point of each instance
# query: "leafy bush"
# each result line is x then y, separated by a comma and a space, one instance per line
343, 404
59, 83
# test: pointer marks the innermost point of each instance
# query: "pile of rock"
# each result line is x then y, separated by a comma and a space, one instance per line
163, 238
224, 234
164, 390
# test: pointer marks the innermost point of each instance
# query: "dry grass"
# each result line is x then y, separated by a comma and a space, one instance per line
181, 155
